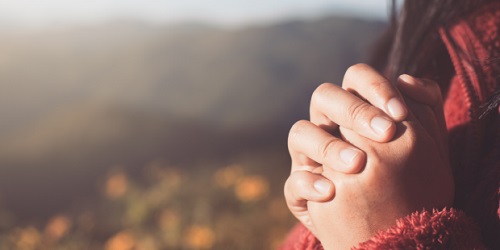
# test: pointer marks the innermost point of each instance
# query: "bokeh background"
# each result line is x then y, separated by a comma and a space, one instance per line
161, 124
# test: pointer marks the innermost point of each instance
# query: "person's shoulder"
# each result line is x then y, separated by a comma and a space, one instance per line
474, 46
484, 22
489, 11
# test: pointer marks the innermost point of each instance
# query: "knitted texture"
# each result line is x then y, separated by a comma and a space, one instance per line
445, 229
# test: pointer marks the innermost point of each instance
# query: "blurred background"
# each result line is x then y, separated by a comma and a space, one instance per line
161, 124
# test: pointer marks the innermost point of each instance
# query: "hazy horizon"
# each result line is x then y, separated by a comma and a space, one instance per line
36, 14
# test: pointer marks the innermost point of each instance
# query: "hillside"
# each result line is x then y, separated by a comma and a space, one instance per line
75, 102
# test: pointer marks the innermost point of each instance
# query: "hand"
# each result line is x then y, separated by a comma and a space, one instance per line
407, 174
312, 148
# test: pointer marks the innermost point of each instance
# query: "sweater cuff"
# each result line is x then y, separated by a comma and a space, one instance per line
300, 238
439, 229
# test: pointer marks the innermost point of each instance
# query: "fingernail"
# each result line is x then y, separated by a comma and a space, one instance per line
322, 186
409, 79
348, 155
396, 108
380, 125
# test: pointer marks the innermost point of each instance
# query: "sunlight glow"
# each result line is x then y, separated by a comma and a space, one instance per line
224, 12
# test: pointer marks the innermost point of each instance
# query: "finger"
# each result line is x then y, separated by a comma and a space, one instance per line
424, 115
421, 90
426, 92
307, 139
332, 103
301, 162
369, 84
303, 186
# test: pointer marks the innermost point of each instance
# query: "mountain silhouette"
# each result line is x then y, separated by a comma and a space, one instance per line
76, 101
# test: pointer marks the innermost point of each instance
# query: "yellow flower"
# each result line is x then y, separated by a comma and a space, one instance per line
171, 178
251, 188
147, 242
199, 237
27, 238
120, 241
116, 185
169, 220
170, 224
228, 176
57, 227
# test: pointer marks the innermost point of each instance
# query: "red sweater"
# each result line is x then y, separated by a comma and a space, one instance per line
473, 45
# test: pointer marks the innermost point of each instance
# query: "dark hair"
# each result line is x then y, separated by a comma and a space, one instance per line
413, 31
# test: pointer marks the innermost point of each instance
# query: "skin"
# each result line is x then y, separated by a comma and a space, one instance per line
397, 164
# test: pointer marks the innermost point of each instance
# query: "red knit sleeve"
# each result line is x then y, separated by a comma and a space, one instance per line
439, 229
445, 229
300, 238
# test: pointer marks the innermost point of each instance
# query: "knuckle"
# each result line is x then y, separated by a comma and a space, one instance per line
325, 149
358, 111
380, 86
296, 129
381, 90
364, 76
294, 184
357, 68
321, 92
301, 181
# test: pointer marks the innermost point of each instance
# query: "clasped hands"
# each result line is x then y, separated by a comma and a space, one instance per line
371, 153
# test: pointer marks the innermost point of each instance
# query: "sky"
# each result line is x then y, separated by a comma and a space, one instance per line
222, 12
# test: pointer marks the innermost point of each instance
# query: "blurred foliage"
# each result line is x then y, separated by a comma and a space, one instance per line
238, 206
